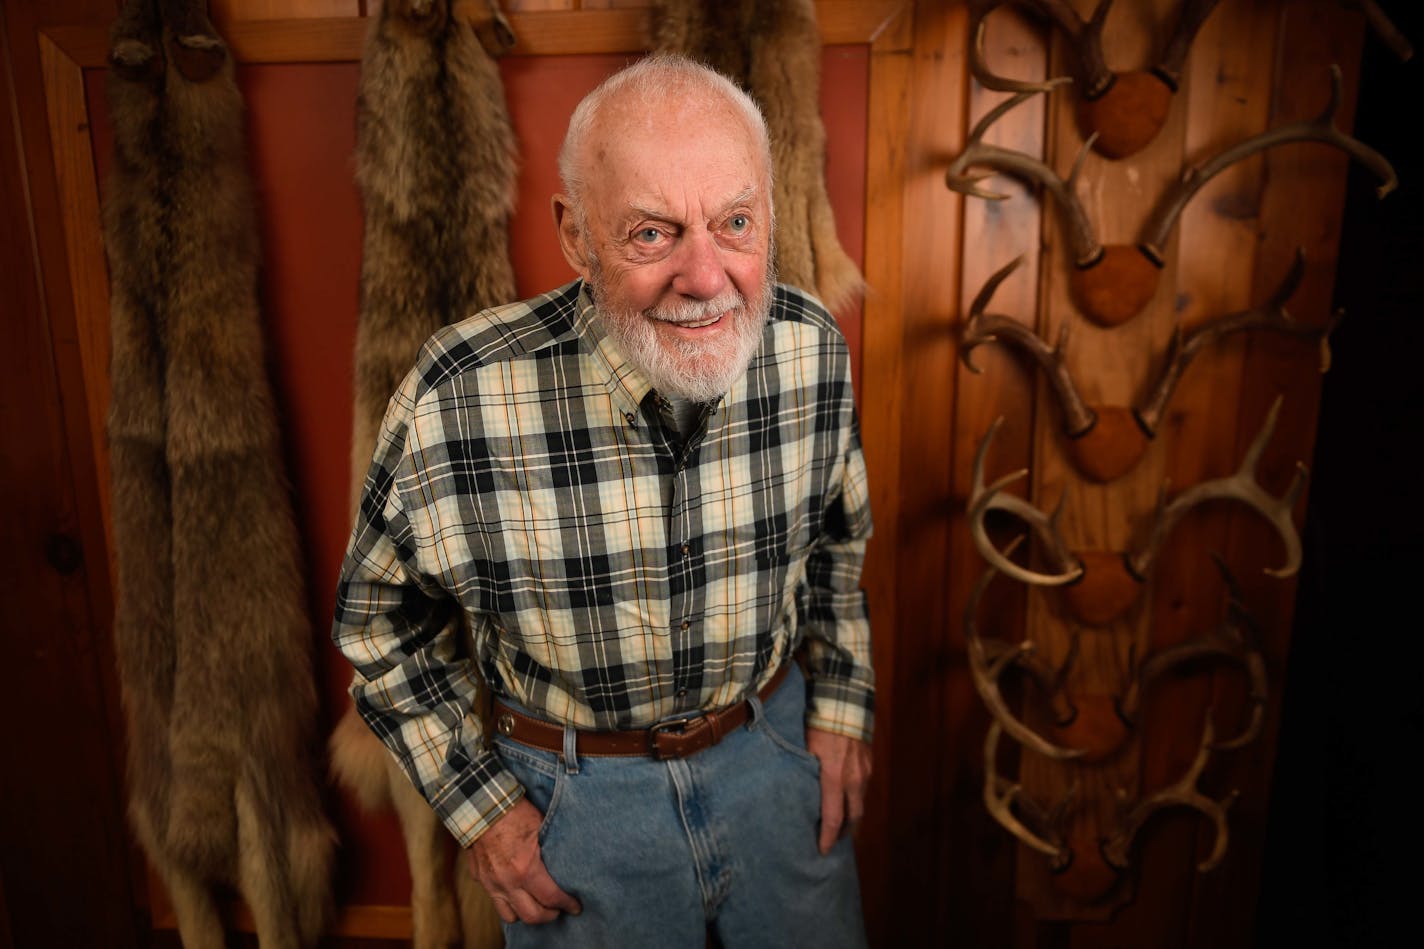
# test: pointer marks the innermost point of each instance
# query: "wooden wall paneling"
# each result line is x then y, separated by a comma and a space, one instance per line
68, 114
881, 404
63, 814
24, 24
72, 47
1302, 207
912, 484
1110, 366
979, 903
229, 11
1223, 99
1227, 92
533, 6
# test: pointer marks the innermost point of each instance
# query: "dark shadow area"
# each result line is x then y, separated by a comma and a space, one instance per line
1344, 845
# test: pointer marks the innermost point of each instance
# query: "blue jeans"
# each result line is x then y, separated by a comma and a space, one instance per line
659, 851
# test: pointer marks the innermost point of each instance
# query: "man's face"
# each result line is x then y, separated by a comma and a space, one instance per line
675, 242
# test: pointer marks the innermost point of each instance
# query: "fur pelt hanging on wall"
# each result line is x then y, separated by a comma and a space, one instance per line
773, 50
435, 161
210, 628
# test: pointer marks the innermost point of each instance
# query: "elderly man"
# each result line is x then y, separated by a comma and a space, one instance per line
644, 492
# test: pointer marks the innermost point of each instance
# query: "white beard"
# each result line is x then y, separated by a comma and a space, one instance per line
683, 368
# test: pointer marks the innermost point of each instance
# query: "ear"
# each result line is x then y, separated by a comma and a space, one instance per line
571, 242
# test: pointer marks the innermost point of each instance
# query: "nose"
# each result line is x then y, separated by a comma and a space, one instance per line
699, 271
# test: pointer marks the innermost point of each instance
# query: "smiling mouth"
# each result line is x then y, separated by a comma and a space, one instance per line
695, 324
702, 323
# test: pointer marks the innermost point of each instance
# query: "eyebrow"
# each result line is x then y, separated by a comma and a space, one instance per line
743, 197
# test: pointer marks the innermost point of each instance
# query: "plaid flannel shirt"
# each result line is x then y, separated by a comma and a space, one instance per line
610, 573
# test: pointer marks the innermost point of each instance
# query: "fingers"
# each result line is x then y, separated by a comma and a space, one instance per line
503, 908
856, 779
832, 811
507, 863
542, 888
845, 772
855, 802
531, 911
534, 899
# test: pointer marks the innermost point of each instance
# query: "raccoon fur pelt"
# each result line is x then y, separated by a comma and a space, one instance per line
435, 161
210, 628
773, 50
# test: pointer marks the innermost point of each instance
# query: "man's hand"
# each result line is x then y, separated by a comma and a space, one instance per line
507, 863
845, 771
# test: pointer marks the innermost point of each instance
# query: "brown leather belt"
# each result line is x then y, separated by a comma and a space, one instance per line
675, 738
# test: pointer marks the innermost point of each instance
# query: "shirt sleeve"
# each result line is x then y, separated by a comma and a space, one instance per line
402, 632
833, 615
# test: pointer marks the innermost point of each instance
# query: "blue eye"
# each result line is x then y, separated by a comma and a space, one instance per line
739, 223
648, 235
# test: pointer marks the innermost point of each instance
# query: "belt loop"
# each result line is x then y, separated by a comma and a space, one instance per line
571, 761
758, 713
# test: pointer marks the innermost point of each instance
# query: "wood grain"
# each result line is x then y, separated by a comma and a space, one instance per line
881, 404
88, 280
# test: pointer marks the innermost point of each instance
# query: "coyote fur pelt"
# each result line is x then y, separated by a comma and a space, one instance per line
210, 628
435, 161
773, 50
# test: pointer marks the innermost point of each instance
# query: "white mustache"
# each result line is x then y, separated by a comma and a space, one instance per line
698, 311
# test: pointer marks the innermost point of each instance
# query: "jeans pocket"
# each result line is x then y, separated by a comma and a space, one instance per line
540, 773
782, 721
793, 748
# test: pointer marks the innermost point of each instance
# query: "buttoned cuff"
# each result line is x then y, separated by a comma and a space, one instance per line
477, 798
841, 708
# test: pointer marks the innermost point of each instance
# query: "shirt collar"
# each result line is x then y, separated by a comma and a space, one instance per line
622, 378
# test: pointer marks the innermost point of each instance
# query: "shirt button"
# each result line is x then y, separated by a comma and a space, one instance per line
629, 417
682, 693
686, 550
686, 625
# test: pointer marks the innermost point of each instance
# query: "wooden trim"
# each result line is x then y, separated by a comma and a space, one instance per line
881, 406
548, 33
75, 178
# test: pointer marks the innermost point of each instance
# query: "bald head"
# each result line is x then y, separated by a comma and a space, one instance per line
663, 89
666, 215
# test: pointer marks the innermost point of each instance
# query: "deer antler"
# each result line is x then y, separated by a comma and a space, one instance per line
1235, 640
1320, 129
1085, 37
1271, 315
1123, 112
988, 659
983, 500
1242, 487
1081, 240
1000, 796
1182, 794
1104, 442
1384, 28
1174, 56
983, 328
1129, 111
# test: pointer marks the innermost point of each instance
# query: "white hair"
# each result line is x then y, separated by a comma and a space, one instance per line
652, 81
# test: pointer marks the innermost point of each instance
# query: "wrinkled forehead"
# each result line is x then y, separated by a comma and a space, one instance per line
674, 126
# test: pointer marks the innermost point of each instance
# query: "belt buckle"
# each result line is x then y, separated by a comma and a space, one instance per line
658, 729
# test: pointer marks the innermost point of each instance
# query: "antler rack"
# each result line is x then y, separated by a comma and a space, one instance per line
1102, 585
1235, 640
1105, 442
1121, 112
990, 658
1183, 793
1112, 283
